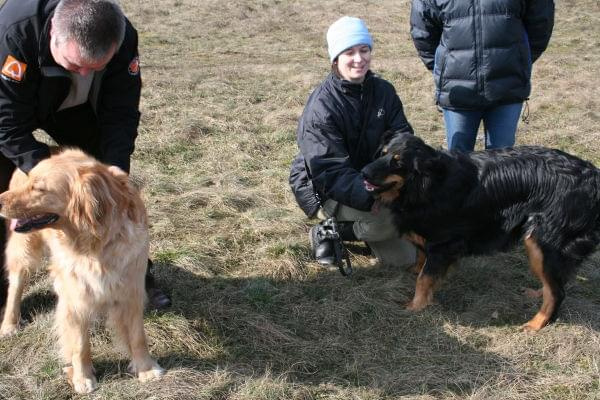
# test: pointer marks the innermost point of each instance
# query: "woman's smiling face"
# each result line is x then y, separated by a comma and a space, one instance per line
353, 63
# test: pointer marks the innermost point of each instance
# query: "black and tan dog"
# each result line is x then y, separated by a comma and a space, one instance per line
452, 204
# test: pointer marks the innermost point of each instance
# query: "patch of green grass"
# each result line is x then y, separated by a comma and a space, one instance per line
49, 369
168, 256
260, 293
294, 250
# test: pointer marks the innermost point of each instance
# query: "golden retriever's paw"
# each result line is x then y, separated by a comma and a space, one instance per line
85, 385
80, 384
8, 330
148, 373
155, 373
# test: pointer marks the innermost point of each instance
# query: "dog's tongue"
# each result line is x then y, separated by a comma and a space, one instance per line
369, 186
36, 222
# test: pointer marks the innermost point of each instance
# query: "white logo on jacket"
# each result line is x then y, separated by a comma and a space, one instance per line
380, 113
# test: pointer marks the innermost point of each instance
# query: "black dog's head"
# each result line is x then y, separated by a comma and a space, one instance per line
403, 157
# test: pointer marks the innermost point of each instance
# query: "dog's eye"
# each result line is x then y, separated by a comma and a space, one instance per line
384, 151
38, 187
395, 161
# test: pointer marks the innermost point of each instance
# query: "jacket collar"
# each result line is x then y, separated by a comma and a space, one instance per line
44, 56
348, 87
48, 66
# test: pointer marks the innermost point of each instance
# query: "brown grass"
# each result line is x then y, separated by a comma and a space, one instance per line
253, 317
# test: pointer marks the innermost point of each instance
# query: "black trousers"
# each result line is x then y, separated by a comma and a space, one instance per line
73, 127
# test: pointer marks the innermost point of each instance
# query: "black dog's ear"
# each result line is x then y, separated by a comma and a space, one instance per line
431, 165
426, 159
385, 139
422, 166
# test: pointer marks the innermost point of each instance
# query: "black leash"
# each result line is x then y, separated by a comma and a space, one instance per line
342, 256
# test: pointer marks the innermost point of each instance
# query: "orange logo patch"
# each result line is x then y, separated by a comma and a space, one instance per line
14, 69
134, 66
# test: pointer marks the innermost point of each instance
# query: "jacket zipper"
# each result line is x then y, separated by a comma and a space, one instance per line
477, 22
367, 113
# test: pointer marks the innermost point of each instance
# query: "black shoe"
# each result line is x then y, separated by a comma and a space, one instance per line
157, 299
322, 248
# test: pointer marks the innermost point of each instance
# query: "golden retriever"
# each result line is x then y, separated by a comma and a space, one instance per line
93, 223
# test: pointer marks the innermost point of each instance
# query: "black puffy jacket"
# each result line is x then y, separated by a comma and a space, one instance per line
31, 101
481, 51
339, 133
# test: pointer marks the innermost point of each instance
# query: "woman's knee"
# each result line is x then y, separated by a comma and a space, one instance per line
374, 230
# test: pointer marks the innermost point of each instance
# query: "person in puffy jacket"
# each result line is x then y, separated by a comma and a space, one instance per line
339, 133
481, 54
70, 68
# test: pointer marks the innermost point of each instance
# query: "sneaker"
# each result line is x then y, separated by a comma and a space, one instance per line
321, 248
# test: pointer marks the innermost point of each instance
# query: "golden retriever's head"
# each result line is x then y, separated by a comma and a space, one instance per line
69, 189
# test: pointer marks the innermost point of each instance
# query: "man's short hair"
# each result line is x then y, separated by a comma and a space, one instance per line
95, 25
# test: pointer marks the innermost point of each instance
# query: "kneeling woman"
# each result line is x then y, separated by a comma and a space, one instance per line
339, 132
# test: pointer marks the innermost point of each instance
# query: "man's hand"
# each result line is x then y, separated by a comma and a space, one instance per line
116, 171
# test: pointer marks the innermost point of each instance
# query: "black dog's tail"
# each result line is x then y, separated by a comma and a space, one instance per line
583, 215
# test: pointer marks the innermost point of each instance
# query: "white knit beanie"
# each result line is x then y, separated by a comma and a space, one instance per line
347, 32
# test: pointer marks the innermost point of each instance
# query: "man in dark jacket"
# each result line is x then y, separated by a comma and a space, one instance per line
70, 68
339, 133
481, 54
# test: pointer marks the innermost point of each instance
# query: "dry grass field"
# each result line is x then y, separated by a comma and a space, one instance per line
253, 317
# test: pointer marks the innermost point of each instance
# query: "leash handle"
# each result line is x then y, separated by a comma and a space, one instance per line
342, 256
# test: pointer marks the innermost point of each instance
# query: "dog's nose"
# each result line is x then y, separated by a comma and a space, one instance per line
365, 172
373, 169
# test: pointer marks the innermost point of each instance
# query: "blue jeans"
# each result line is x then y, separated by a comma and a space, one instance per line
499, 124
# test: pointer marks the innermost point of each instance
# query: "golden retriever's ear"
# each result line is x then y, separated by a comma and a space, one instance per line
128, 190
92, 203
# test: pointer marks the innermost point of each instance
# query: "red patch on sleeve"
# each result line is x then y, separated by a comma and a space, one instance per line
14, 69
134, 66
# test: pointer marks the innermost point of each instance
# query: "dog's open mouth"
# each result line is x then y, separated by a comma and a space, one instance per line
23, 225
371, 187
